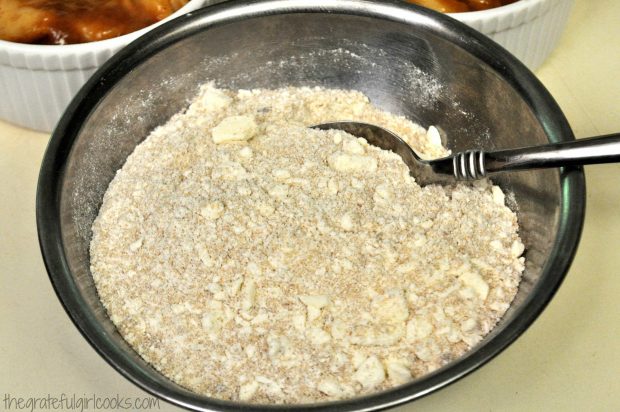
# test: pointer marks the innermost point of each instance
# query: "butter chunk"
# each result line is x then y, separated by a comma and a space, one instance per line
332, 186
317, 301
212, 322
475, 281
136, 245
418, 329
517, 248
339, 329
299, 322
352, 146
214, 99
346, 222
397, 371
338, 137
357, 359
281, 174
276, 345
234, 129
234, 286
247, 391
433, 136
203, 255
346, 162
313, 313
377, 334
279, 191
271, 386
370, 373
498, 195
391, 308
469, 325
318, 336
331, 387
212, 210
248, 292
246, 152
383, 192
266, 209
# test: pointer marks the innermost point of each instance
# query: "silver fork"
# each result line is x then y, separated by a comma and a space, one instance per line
477, 164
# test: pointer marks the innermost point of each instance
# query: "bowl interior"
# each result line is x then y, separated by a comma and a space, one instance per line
408, 61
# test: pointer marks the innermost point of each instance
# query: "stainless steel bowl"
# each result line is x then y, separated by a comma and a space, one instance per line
480, 96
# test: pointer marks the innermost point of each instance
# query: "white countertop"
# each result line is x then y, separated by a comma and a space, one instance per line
568, 360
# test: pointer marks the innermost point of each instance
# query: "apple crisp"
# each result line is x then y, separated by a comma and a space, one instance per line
78, 21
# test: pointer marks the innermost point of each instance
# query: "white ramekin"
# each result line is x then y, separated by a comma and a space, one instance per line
529, 29
37, 82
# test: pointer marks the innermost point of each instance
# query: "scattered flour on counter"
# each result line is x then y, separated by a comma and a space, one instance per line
248, 257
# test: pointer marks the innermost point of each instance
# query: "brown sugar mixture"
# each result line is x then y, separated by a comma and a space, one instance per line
78, 21
248, 257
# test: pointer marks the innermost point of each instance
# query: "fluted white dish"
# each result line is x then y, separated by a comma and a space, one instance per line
37, 82
529, 29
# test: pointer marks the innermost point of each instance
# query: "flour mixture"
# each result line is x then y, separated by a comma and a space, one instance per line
248, 257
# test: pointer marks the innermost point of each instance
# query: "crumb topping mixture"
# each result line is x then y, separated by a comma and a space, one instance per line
248, 257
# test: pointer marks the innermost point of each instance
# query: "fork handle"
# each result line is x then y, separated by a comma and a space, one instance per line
475, 164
